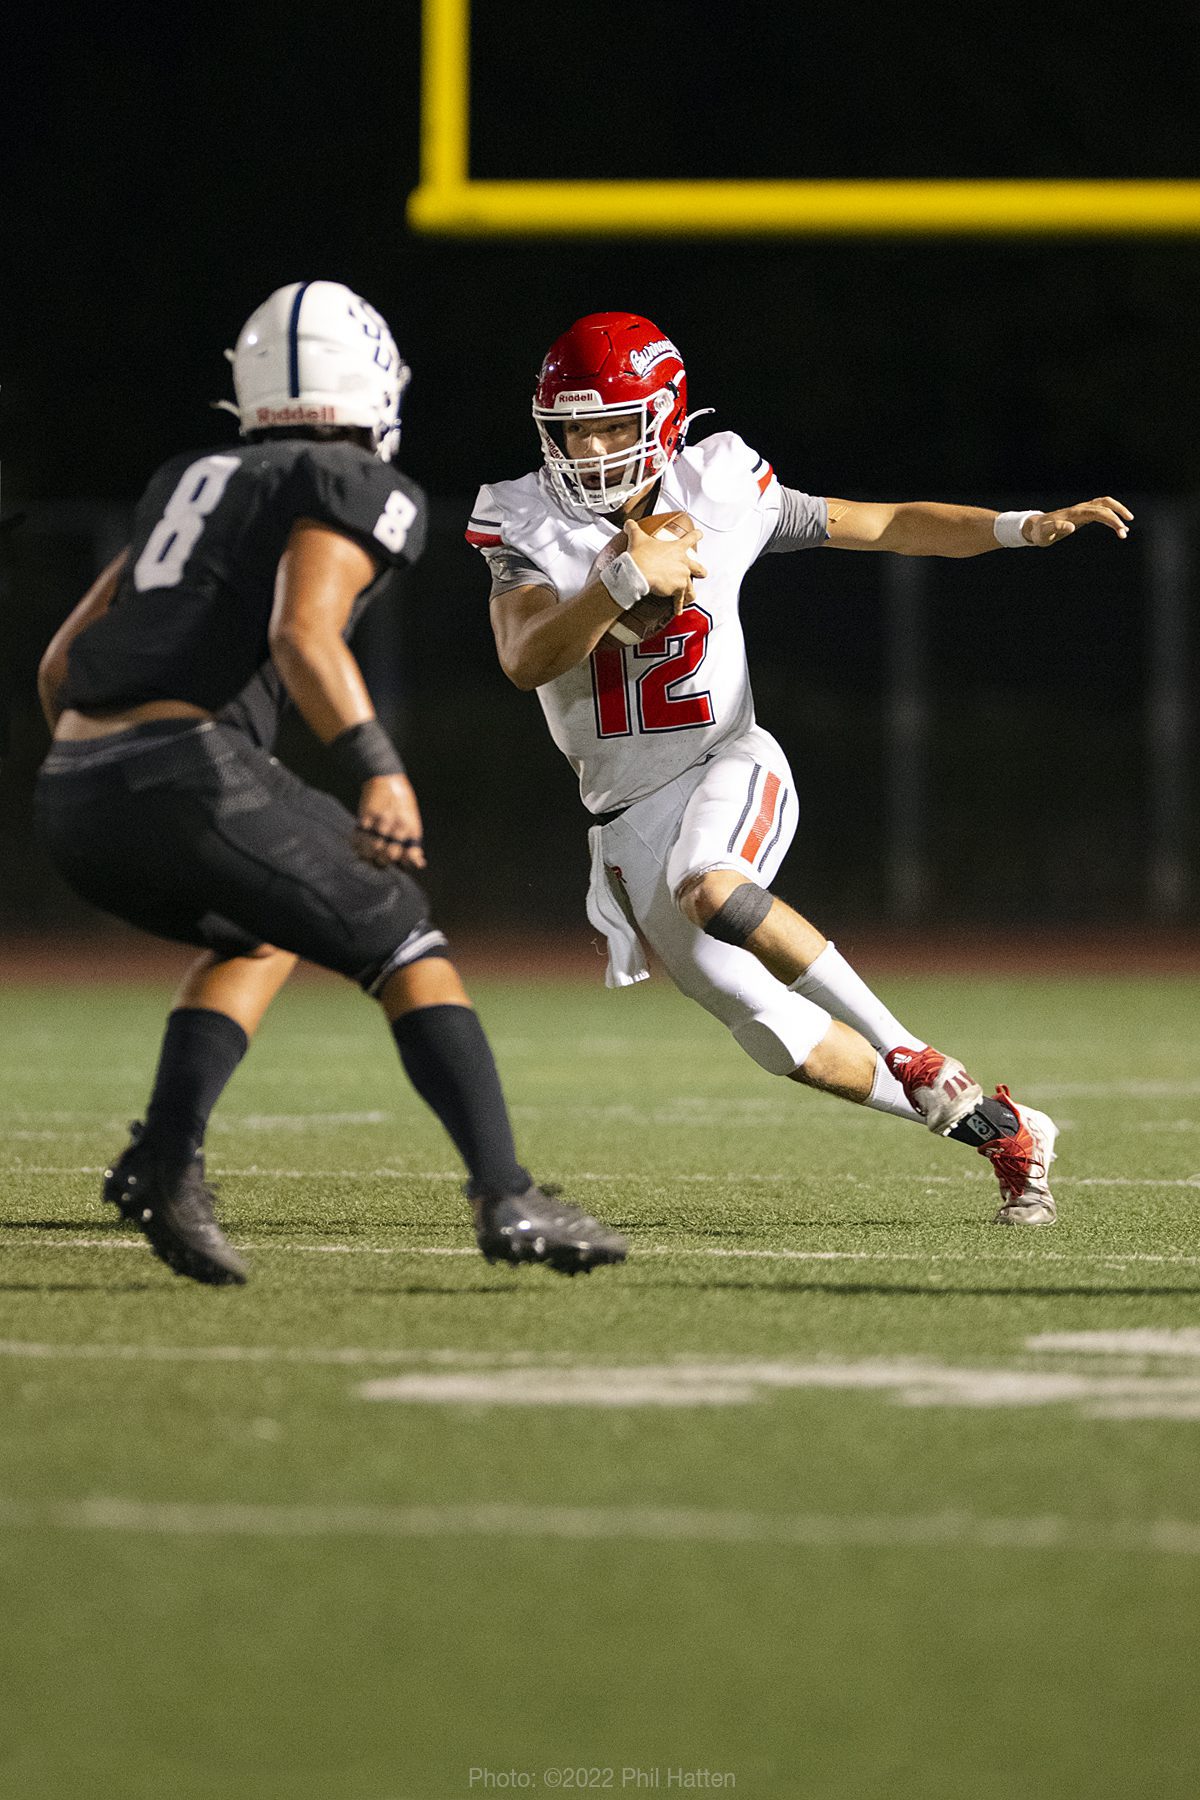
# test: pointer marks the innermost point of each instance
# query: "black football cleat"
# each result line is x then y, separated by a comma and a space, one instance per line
172, 1207
538, 1227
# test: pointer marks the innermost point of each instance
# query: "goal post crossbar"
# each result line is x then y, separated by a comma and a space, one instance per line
448, 202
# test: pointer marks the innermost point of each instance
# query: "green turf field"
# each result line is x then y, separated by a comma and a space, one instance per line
834, 1491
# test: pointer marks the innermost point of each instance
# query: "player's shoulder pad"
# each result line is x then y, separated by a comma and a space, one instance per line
721, 479
509, 512
485, 527
371, 501
357, 468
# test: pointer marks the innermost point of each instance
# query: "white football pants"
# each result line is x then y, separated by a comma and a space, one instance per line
737, 811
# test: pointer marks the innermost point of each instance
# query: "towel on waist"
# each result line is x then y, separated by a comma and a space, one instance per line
608, 911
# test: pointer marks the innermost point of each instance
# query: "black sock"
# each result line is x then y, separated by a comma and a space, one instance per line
200, 1051
449, 1061
991, 1119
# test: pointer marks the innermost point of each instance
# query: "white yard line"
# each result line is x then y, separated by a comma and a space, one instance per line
908, 1382
1109, 1259
1110, 1090
1136, 1341
688, 1107
1106, 1258
587, 1524
452, 1378
337, 1357
734, 1177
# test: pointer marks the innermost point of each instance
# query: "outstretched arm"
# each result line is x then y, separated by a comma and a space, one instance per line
931, 528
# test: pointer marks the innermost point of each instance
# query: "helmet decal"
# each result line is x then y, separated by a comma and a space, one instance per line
294, 341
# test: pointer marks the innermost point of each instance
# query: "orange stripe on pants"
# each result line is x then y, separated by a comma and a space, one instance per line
762, 824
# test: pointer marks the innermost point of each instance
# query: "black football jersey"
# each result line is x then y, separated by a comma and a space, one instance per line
257, 712
190, 617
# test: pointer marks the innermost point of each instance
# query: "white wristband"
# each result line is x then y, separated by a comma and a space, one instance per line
625, 581
1009, 530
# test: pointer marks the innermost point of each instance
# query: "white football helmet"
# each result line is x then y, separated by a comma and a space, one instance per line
316, 354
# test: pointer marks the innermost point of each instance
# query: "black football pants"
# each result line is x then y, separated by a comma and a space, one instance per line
193, 833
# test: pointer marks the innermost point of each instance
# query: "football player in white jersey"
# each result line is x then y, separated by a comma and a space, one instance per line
616, 571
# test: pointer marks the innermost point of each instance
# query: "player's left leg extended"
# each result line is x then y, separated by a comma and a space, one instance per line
1017, 1140
790, 1000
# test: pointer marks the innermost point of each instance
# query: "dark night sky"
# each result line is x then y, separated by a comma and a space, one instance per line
165, 172
162, 172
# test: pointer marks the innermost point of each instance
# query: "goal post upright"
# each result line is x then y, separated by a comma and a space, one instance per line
445, 97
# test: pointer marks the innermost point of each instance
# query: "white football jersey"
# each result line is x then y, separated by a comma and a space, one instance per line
632, 718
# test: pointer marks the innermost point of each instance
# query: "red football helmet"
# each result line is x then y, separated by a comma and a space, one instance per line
610, 365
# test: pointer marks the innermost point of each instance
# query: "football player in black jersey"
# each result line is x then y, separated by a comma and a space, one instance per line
160, 803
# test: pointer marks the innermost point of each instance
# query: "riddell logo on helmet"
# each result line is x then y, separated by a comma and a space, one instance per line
296, 415
645, 359
577, 397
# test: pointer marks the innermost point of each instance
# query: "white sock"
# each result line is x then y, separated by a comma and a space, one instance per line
833, 984
888, 1096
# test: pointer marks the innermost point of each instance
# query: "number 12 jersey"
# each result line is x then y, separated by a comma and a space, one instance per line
632, 718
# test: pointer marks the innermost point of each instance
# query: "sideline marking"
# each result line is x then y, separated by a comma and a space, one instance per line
649, 1524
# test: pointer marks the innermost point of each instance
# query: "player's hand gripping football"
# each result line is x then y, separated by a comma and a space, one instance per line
1048, 528
389, 823
664, 549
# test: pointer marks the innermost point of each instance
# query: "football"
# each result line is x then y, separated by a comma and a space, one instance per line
647, 617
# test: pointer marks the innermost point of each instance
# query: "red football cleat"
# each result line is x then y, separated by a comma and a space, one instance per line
1022, 1164
937, 1086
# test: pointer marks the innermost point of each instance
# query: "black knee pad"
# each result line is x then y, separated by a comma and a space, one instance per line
741, 915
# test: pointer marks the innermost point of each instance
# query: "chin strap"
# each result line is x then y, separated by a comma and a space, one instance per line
226, 405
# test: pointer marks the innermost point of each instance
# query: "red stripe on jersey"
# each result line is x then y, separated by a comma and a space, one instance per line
764, 481
762, 824
483, 540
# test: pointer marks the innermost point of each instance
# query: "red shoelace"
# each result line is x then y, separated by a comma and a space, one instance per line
1013, 1157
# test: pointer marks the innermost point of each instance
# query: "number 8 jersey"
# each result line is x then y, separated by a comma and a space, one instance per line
631, 719
190, 618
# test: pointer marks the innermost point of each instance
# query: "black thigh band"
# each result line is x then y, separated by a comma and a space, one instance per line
741, 915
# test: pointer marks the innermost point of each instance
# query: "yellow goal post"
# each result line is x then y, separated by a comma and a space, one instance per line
448, 203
